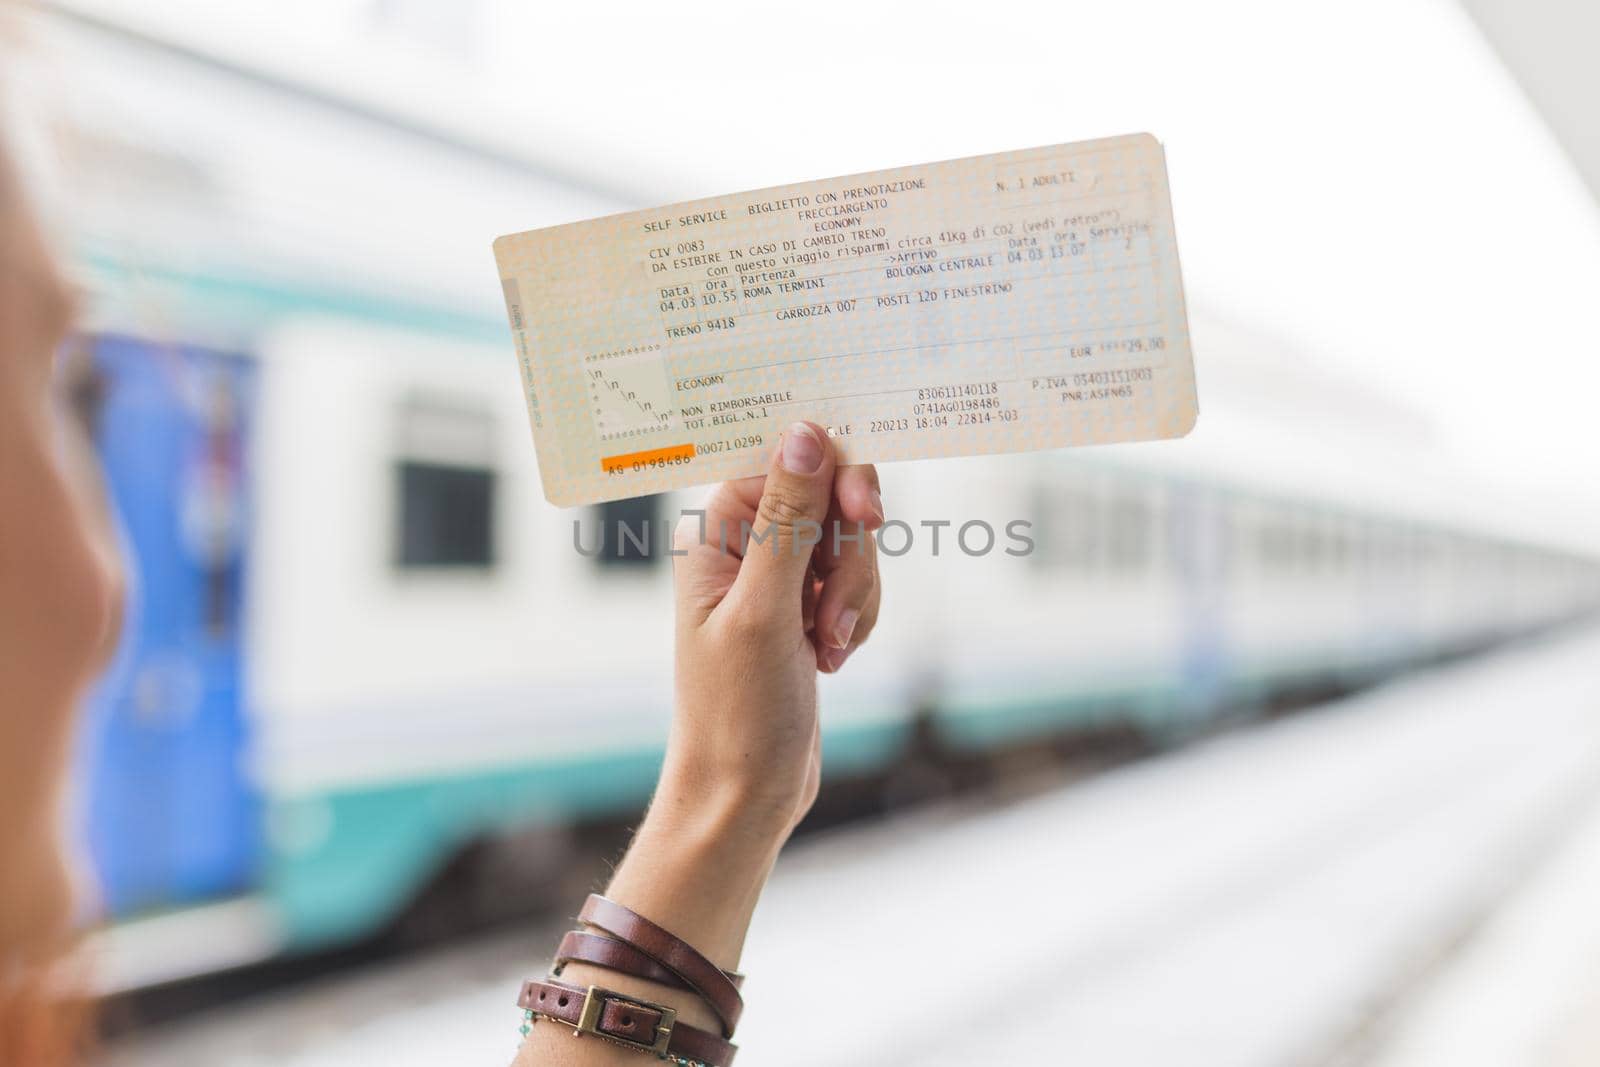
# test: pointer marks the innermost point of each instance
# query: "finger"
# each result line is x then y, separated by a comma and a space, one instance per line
810, 590
729, 510
706, 546
789, 516
830, 658
856, 491
701, 575
848, 565
847, 560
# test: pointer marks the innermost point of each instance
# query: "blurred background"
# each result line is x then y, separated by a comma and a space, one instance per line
1283, 748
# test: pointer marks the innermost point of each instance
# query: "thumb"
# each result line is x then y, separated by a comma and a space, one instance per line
788, 523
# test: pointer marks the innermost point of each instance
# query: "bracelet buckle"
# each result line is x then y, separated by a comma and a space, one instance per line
595, 1001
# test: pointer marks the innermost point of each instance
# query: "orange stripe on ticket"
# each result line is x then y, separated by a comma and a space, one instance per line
652, 455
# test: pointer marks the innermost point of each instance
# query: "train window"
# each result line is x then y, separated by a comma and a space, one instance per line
446, 484
1339, 544
1242, 539
1128, 547
1276, 545
629, 533
1312, 544
1229, 522
1201, 527
1364, 549
446, 515
1069, 535
1392, 548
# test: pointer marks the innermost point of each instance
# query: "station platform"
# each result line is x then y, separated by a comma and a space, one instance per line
1407, 877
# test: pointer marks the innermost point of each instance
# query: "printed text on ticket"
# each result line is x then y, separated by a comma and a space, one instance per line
1001, 303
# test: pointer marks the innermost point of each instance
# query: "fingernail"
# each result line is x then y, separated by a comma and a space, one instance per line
845, 627
877, 505
802, 452
835, 658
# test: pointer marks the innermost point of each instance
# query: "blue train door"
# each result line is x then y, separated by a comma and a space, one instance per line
171, 814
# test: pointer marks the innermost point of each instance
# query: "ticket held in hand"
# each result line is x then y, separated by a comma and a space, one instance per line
1001, 303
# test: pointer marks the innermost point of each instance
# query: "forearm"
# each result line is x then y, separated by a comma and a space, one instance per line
697, 867
743, 766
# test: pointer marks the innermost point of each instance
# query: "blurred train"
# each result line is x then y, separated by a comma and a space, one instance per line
358, 636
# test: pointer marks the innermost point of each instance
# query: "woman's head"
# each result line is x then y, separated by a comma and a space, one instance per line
57, 612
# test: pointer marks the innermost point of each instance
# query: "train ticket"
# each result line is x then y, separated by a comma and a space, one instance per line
1000, 303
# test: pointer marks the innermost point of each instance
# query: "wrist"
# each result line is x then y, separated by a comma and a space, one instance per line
699, 862
741, 805
729, 820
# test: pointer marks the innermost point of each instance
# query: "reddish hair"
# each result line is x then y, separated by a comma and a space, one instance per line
40, 1026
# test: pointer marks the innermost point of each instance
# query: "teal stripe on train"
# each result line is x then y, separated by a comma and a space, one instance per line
343, 863
246, 302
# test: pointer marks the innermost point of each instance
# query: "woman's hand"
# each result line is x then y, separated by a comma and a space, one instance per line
777, 580
756, 621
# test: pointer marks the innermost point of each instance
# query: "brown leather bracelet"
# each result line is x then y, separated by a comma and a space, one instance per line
672, 952
626, 1021
579, 946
